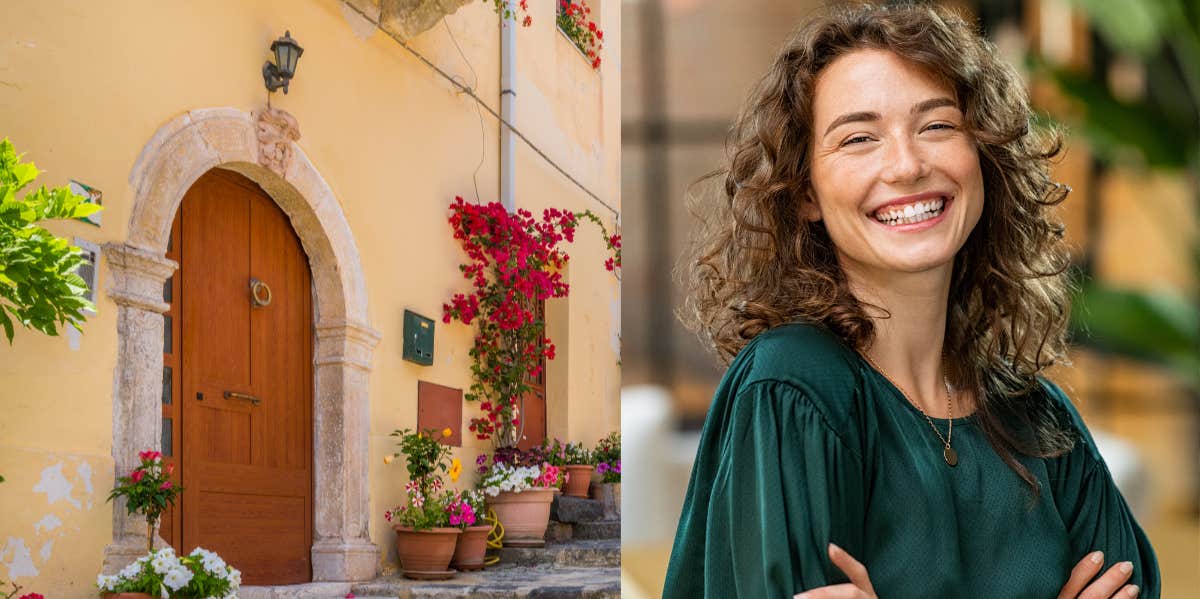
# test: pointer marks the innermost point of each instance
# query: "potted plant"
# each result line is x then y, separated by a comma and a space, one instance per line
607, 457
520, 492
148, 491
425, 540
579, 469
575, 21
201, 573
466, 509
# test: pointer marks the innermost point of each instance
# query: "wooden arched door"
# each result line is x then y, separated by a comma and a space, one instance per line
244, 304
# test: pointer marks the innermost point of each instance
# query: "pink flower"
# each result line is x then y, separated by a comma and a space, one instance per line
136, 475
149, 456
349, 595
387, 515
32, 596
166, 485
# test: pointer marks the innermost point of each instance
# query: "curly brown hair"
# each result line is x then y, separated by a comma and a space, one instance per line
757, 263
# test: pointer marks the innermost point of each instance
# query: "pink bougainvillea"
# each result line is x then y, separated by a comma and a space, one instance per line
514, 261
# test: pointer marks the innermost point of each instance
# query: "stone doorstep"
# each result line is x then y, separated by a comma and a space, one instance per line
309, 590
602, 529
501, 582
578, 553
561, 532
575, 509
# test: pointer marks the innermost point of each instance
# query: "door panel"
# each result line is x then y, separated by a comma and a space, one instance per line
533, 402
247, 381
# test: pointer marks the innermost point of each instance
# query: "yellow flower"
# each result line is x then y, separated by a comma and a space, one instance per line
455, 469
446, 432
387, 459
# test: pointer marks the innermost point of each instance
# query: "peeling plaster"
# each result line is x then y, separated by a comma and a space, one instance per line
45, 551
84, 470
56, 486
21, 563
48, 522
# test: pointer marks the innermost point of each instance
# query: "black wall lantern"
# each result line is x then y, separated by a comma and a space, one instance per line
279, 74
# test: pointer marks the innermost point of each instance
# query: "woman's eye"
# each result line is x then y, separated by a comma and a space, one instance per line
856, 139
940, 126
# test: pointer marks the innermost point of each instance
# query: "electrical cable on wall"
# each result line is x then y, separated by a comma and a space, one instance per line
481, 103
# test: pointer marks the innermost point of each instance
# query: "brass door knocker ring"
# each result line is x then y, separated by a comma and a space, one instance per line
260, 294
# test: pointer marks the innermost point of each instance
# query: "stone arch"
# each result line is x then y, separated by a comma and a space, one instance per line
177, 154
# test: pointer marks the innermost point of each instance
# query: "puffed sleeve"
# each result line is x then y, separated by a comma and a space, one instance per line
1094, 511
772, 485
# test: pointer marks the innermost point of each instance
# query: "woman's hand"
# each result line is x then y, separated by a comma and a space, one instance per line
1104, 587
1077, 587
859, 586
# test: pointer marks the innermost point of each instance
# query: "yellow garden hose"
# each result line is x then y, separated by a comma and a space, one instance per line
495, 537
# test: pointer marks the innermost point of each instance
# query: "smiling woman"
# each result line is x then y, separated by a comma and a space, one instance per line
884, 272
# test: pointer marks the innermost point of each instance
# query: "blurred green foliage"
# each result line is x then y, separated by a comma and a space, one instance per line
1160, 129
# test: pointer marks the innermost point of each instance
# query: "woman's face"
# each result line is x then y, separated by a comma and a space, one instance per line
895, 176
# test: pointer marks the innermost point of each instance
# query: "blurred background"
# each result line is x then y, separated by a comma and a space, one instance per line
1122, 75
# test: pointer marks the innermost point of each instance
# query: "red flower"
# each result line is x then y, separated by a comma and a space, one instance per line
136, 475
32, 596
591, 26
527, 21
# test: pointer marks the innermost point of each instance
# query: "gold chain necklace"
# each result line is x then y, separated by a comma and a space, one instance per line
948, 452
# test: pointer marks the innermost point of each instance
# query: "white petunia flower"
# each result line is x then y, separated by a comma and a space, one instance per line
164, 563
132, 570
106, 583
177, 578
213, 563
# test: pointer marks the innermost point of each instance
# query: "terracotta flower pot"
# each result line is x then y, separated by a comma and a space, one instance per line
609, 496
472, 545
523, 515
578, 479
425, 554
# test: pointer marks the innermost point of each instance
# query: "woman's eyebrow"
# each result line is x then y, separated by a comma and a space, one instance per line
853, 117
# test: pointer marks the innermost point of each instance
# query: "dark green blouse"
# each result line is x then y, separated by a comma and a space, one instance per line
807, 444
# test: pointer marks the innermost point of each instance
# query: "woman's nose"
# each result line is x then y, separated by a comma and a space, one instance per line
904, 161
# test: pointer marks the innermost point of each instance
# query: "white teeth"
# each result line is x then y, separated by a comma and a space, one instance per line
911, 213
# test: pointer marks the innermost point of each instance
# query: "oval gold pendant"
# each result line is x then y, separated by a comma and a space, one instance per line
951, 456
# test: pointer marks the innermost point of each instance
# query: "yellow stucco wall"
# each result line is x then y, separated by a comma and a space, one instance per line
84, 86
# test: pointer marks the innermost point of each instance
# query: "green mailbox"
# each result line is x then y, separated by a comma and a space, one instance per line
418, 338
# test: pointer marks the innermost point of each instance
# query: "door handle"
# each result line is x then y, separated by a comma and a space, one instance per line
260, 293
235, 395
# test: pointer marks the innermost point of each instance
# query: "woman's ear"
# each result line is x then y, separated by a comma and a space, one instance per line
809, 208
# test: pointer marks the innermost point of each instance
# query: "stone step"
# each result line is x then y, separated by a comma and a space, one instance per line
576, 509
502, 582
602, 529
559, 532
576, 553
